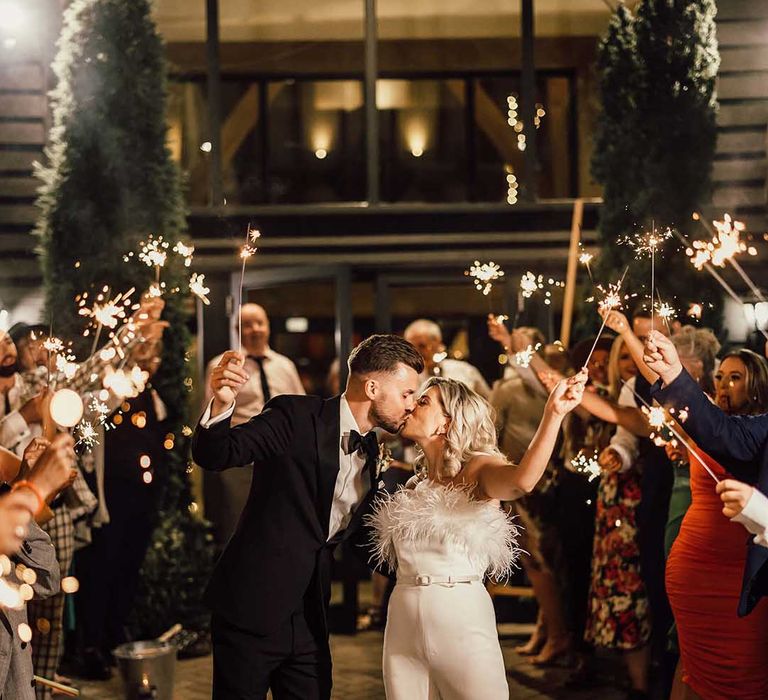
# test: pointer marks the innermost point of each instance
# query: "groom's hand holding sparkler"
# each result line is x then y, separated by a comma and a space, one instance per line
661, 357
227, 378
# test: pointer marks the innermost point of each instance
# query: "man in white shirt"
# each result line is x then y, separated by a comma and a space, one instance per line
271, 374
427, 338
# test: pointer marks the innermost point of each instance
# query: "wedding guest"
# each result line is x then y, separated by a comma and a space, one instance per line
271, 374
722, 655
619, 617
519, 400
427, 338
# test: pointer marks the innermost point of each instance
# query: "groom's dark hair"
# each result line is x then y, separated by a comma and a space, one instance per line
382, 353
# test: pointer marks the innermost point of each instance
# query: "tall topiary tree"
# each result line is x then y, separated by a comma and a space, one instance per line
656, 138
110, 182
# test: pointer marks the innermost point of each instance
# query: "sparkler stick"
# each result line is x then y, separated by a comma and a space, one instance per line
612, 300
246, 252
657, 420
585, 258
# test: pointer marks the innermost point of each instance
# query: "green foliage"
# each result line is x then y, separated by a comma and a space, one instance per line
655, 142
109, 183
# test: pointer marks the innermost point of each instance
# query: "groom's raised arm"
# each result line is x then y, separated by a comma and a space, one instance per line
220, 446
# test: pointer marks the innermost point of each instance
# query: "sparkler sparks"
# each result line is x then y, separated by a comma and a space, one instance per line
125, 384
105, 312
524, 357
695, 310
53, 345
154, 253
484, 275
86, 435
198, 288
646, 243
185, 251
587, 465
530, 284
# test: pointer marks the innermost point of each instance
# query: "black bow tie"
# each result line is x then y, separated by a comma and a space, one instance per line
368, 444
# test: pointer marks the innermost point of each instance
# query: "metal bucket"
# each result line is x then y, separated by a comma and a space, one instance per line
147, 669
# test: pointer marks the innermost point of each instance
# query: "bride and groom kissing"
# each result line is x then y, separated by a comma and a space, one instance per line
315, 485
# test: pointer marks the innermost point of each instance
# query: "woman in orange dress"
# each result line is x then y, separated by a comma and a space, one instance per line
722, 656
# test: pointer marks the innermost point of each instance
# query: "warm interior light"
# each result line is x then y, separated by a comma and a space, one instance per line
12, 17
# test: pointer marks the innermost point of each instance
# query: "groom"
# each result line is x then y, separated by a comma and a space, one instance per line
314, 476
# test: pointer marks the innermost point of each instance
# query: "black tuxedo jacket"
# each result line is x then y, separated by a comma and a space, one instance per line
738, 443
278, 560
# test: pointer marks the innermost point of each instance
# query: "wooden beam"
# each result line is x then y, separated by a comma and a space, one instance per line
570, 277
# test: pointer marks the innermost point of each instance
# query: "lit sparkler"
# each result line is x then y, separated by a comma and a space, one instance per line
611, 300
529, 284
587, 465
484, 275
585, 259
125, 384
725, 245
658, 421
247, 251
524, 357
701, 256
86, 435
185, 251
695, 310
198, 288
647, 243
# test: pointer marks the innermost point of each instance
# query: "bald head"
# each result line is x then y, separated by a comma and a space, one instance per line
255, 324
426, 337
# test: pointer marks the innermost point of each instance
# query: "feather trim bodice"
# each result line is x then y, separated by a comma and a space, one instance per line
432, 518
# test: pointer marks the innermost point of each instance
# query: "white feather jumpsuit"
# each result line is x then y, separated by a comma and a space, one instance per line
441, 640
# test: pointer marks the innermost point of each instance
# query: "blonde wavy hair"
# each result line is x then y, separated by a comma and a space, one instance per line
472, 430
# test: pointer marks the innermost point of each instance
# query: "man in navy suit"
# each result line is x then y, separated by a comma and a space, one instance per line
739, 443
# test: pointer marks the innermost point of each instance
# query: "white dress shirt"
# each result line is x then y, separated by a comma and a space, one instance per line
754, 517
282, 378
351, 481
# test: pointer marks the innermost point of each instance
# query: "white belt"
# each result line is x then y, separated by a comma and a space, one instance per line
427, 580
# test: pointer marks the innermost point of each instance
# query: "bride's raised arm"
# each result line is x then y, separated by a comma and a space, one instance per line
496, 479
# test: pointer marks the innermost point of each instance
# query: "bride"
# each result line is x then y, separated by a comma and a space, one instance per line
444, 532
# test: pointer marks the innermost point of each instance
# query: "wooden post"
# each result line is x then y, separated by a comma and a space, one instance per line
570, 277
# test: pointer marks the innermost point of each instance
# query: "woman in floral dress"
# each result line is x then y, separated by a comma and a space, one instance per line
619, 616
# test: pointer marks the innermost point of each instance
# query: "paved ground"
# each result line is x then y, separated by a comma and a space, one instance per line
357, 675
357, 671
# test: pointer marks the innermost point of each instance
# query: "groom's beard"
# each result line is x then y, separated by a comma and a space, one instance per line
387, 422
9, 370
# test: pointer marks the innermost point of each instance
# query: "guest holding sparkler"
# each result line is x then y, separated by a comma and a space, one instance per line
619, 616
519, 399
722, 655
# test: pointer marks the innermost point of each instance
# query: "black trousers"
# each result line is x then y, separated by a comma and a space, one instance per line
109, 567
293, 662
